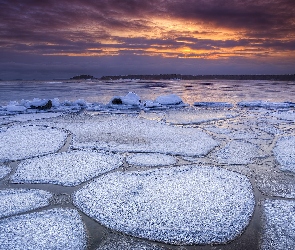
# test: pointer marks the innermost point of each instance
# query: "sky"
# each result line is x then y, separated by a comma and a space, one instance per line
59, 39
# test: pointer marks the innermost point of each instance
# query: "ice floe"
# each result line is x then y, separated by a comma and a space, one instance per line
67, 169
14, 201
214, 104
133, 134
171, 99
264, 104
285, 153
122, 242
149, 160
19, 142
52, 229
4, 170
181, 205
279, 226
238, 152
277, 184
131, 99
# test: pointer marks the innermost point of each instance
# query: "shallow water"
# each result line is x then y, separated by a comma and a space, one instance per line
192, 91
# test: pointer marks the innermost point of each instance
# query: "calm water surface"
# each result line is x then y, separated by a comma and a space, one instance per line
190, 91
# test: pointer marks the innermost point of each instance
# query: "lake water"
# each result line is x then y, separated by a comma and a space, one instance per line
191, 91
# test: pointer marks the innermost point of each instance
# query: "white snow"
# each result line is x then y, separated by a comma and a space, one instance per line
171, 99
237, 152
52, 229
14, 201
181, 205
19, 142
149, 160
285, 153
279, 226
4, 170
67, 169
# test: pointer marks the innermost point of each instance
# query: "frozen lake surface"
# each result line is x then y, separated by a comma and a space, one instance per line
165, 175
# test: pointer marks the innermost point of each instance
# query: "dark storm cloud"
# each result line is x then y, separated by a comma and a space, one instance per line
50, 21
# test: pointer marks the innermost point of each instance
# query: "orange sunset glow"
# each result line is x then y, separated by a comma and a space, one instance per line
224, 31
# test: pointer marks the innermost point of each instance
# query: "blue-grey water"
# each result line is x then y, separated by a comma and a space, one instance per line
190, 91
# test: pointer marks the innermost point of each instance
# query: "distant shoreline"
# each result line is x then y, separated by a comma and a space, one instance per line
289, 77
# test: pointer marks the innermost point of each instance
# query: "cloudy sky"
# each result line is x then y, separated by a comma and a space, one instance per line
59, 39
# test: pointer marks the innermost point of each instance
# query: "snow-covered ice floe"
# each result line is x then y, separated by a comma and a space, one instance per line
4, 170
171, 99
123, 242
279, 226
265, 104
149, 160
285, 153
132, 134
14, 201
276, 184
52, 229
19, 142
67, 169
238, 152
182, 205
131, 99
214, 104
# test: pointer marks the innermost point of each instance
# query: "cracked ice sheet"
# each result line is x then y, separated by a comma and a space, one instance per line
4, 170
52, 229
279, 227
238, 152
125, 133
285, 153
33, 116
19, 142
14, 201
149, 160
67, 169
181, 205
116, 241
190, 117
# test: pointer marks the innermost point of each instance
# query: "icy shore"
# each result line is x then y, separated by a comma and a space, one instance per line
165, 172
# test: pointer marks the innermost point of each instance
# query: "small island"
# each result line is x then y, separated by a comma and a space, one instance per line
83, 77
